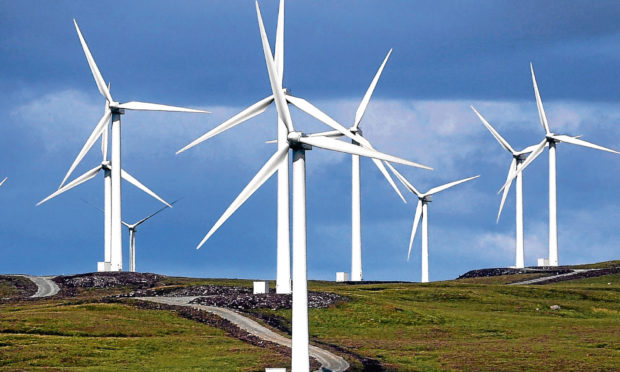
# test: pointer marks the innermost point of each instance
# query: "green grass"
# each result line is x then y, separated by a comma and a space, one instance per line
116, 336
452, 325
473, 324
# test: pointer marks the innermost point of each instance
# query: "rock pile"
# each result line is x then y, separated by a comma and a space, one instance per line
109, 280
272, 301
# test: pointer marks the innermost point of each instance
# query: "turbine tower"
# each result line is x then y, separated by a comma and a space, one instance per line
551, 140
518, 157
114, 110
421, 212
298, 143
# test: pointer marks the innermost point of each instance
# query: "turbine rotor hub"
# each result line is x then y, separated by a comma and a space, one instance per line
293, 141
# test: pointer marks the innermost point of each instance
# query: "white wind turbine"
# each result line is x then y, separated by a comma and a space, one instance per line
132, 236
106, 167
113, 110
518, 157
421, 212
550, 140
299, 143
283, 277
356, 214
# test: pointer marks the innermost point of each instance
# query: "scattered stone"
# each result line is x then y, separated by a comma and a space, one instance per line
273, 301
109, 280
510, 271
555, 307
197, 290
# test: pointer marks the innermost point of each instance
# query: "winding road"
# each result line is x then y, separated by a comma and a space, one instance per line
546, 278
46, 287
329, 361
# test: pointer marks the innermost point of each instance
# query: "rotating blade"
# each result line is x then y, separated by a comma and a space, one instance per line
103, 89
146, 106
101, 126
414, 228
437, 189
336, 145
246, 114
541, 110
362, 107
81, 179
270, 167
495, 133
129, 178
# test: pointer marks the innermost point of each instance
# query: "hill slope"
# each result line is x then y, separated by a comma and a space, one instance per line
474, 323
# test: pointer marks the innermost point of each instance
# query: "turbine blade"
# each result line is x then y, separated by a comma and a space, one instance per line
279, 53
263, 175
437, 189
311, 110
414, 228
508, 182
403, 180
495, 133
126, 224
274, 79
103, 89
579, 142
103, 122
328, 133
129, 178
146, 106
81, 179
387, 176
3, 181
153, 214
362, 107
336, 145
541, 110
529, 149
246, 114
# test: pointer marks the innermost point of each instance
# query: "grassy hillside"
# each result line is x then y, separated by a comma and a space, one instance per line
469, 324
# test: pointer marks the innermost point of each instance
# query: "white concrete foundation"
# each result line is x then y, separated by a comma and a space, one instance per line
261, 287
342, 277
543, 262
103, 266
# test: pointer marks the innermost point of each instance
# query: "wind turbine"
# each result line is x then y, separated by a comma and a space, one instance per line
283, 277
113, 110
356, 214
132, 236
550, 140
299, 143
421, 212
132, 232
107, 168
518, 157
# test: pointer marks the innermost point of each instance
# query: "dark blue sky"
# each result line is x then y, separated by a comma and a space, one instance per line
447, 55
